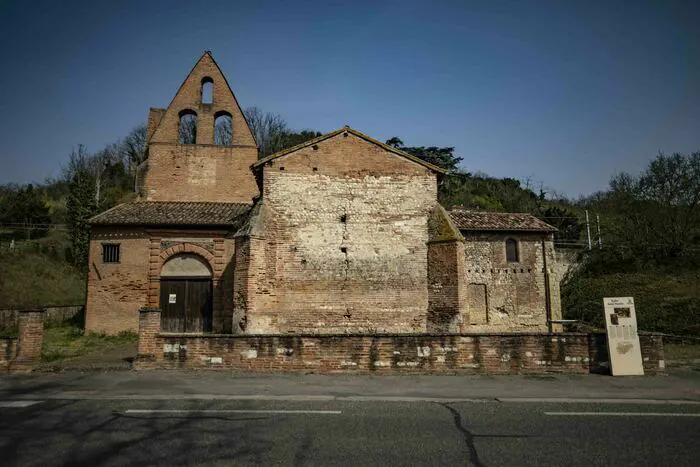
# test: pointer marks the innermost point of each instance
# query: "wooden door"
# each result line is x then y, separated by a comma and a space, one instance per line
186, 305
198, 305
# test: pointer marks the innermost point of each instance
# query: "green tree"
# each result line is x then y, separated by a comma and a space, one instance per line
442, 157
81, 206
291, 139
25, 208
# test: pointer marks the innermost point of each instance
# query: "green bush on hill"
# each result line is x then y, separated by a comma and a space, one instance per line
668, 303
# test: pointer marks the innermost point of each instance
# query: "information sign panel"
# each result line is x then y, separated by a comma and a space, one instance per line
623, 340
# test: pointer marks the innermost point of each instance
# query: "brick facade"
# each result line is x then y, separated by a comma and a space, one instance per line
116, 291
345, 225
202, 171
346, 237
502, 295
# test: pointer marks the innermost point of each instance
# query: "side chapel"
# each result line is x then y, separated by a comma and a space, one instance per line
340, 234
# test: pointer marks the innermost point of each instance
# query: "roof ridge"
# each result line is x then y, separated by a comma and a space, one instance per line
499, 221
183, 202
490, 212
357, 133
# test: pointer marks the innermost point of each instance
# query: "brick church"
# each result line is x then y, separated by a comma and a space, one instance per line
339, 235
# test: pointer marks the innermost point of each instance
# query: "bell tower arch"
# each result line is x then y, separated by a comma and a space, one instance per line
203, 158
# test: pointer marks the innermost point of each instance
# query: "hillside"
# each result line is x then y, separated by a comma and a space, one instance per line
36, 273
665, 302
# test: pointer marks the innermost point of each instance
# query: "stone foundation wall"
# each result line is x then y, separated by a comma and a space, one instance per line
384, 353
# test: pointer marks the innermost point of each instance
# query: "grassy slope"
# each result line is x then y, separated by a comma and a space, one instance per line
30, 279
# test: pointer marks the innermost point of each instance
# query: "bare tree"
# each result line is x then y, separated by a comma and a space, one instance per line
223, 130
270, 130
188, 129
133, 150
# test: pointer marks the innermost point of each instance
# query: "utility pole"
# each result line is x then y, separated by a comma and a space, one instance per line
588, 230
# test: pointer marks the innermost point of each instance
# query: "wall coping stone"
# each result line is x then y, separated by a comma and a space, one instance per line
42, 307
31, 310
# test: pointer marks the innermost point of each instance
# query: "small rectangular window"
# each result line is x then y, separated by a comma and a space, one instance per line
512, 255
110, 253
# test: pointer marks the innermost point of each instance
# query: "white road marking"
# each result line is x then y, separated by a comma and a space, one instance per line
155, 411
261, 397
623, 414
17, 404
571, 400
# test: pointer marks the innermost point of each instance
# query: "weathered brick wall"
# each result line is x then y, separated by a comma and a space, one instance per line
117, 291
384, 353
189, 96
345, 241
201, 171
189, 172
154, 117
28, 344
447, 291
566, 260
509, 296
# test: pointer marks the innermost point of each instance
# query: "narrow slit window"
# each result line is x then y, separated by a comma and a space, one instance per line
512, 251
110, 253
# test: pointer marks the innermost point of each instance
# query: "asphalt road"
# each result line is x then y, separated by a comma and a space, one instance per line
234, 432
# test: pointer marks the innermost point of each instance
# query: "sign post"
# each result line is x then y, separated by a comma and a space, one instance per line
623, 341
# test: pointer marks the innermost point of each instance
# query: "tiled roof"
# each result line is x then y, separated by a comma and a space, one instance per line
173, 213
503, 221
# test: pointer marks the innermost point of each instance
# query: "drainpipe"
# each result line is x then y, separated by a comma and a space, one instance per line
547, 298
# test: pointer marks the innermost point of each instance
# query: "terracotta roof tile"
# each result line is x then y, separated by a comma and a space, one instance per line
173, 213
503, 221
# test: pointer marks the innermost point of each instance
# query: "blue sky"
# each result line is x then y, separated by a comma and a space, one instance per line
562, 92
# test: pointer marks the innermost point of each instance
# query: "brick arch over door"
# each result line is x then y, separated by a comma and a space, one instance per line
187, 248
156, 266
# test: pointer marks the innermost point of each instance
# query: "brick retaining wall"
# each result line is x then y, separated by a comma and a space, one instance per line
384, 353
21, 353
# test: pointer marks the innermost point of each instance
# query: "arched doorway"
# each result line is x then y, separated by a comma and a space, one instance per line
185, 294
